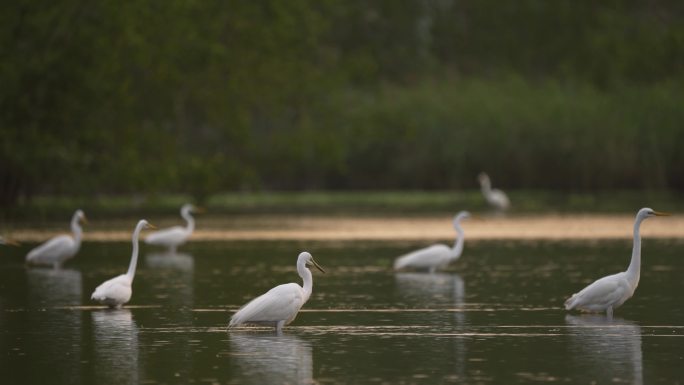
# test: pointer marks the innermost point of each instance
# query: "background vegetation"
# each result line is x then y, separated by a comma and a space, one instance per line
200, 97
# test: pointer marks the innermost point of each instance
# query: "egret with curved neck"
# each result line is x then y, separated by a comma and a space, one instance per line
280, 305
436, 256
495, 197
176, 235
59, 249
608, 293
117, 291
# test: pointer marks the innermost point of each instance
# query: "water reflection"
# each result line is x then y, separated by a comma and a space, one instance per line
438, 287
115, 338
54, 287
173, 261
269, 359
55, 340
605, 350
172, 274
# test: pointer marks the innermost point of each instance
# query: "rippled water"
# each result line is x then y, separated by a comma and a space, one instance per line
494, 317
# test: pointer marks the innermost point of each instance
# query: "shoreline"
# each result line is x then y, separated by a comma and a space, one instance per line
385, 228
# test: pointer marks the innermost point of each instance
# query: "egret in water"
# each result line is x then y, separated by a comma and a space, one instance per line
436, 256
60, 248
608, 293
176, 235
118, 290
280, 305
495, 197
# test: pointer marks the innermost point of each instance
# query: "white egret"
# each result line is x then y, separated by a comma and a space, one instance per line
436, 256
280, 305
60, 248
176, 235
494, 197
118, 290
608, 293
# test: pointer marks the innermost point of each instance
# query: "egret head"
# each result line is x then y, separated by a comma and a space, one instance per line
308, 260
190, 208
460, 216
80, 216
647, 212
143, 224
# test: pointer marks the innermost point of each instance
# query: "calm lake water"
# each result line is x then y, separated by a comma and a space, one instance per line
495, 317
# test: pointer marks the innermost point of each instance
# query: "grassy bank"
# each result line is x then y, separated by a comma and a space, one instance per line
47, 209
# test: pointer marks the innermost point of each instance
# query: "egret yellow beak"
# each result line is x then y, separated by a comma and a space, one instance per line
151, 226
661, 214
199, 210
84, 219
317, 265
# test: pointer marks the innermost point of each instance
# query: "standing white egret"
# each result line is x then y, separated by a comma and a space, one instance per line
176, 235
60, 248
436, 256
117, 291
494, 197
280, 305
608, 293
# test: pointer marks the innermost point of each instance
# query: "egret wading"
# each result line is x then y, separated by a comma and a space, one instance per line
495, 197
117, 291
436, 256
608, 293
176, 235
60, 248
280, 305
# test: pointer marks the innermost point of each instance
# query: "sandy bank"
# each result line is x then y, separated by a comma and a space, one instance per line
538, 227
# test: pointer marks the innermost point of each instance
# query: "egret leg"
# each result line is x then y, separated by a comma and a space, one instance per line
172, 249
432, 270
279, 327
609, 312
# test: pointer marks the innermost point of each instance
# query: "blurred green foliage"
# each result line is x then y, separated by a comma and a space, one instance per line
197, 97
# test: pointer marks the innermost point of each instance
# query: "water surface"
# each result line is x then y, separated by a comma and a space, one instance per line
494, 317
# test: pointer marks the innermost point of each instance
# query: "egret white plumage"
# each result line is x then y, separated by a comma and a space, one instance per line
60, 248
436, 256
495, 197
608, 293
280, 305
117, 291
176, 235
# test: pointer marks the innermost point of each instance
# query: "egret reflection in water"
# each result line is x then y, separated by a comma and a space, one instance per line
441, 288
170, 261
115, 337
438, 289
172, 277
54, 287
605, 350
56, 339
269, 359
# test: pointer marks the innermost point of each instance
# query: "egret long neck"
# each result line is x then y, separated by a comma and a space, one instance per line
76, 229
458, 245
305, 273
134, 255
486, 186
634, 269
190, 226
